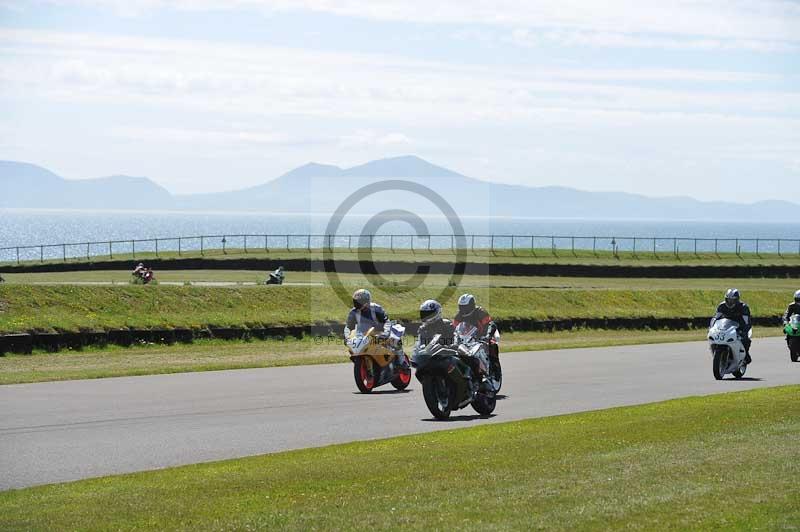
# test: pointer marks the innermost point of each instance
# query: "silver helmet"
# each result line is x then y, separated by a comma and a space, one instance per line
361, 298
466, 305
732, 297
797, 297
430, 310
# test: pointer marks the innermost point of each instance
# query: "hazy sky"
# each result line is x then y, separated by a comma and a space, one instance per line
661, 98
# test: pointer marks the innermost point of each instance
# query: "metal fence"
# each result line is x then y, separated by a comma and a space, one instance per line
517, 245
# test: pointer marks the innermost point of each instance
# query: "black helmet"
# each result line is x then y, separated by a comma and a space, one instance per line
731, 297
361, 297
797, 297
430, 310
466, 305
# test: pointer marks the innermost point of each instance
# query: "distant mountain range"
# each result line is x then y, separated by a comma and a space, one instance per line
319, 188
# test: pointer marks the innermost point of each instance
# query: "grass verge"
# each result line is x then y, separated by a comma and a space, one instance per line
75, 308
210, 355
249, 277
484, 255
659, 466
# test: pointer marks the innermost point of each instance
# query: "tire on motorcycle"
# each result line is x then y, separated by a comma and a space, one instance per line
739, 373
718, 363
484, 404
794, 354
496, 373
439, 396
364, 382
402, 380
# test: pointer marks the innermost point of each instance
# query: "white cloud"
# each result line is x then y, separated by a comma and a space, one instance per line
273, 81
758, 20
368, 138
532, 38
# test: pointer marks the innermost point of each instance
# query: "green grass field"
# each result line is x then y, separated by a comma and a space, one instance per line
525, 255
718, 462
433, 280
210, 355
25, 307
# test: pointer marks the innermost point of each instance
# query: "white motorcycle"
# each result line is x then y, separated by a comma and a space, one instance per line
727, 348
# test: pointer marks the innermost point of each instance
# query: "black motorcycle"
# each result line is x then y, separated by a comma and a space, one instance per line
450, 379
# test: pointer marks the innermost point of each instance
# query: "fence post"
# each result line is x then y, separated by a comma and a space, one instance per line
675, 246
429, 243
391, 243
245, 244
654, 248
350, 243
695, 247
17, 255
634, 247
492, 248
716, 253
594, 245
573, 246
553, 245
156, 247
513, 252
779, 248
179, 246
533, 250
64, 251
133, 248
202, 246
453, 244
266, 243
737, 247
757, 253
87, 251
41, 253
110, 251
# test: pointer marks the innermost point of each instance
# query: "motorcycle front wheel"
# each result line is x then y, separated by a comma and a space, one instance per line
719, 364
439, 396
739, 373
484, 404
495, 373
365, 381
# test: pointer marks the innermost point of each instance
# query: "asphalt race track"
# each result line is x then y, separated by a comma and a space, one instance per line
60, 431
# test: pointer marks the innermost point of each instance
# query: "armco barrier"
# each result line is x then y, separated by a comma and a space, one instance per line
429, 267
24, 343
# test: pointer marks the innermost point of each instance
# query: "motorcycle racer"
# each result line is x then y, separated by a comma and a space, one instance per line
430, 313
472, 314
365, 314
793, 308
733, 308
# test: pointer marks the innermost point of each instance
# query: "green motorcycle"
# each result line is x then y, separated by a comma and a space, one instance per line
792, 332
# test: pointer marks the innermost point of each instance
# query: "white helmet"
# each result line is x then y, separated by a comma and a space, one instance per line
430, 310
797, 297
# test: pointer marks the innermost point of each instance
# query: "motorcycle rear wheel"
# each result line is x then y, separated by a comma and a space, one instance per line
364, 381
794, 354
402, 380
439, 396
